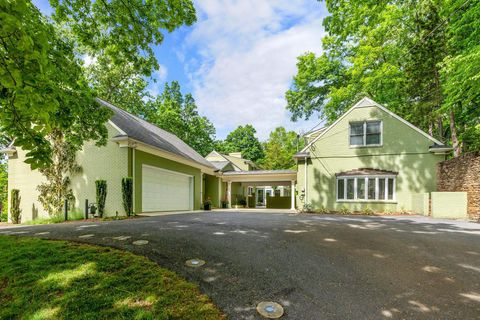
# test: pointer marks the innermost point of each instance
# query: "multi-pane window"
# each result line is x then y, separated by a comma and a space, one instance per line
366, 133
366, 188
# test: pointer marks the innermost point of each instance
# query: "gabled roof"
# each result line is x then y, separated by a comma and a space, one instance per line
225, 159
367, 102
140, 130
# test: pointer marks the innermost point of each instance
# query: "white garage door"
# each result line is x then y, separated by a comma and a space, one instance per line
164, 190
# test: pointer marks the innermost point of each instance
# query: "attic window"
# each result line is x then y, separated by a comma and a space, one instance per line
366, 133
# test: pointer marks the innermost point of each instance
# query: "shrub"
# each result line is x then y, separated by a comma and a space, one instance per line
344, 210
127, 195
307, 208
15, 212
101, 186
322, 210
367, 211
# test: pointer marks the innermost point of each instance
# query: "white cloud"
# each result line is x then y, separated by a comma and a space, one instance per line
160, 76
246, 59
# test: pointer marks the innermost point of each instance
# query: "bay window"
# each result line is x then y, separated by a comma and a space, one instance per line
366, 188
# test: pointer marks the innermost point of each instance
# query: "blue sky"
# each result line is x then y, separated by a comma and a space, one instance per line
239, 59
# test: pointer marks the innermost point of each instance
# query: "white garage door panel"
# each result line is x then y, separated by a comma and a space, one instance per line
164, 190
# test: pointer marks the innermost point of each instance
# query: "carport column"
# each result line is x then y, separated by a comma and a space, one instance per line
229, 193
292, 194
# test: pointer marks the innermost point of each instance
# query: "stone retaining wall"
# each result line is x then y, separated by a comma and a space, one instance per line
462, 174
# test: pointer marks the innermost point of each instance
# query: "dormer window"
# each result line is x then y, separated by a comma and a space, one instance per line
366, 133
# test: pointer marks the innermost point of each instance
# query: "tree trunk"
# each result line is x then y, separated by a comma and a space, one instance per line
455, 143
440, 128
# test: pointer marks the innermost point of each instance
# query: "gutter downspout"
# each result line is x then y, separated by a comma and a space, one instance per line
306, 180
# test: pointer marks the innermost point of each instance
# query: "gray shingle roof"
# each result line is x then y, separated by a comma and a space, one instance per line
143, 131
220, 164
259, 172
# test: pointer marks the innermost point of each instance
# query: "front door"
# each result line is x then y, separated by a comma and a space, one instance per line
260, 198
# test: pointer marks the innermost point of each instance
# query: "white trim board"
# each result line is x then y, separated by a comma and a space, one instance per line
367, 102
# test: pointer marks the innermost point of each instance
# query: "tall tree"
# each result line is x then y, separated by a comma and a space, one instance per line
42, 86
280, 149
243, 139
124, 31
178, 114
401, 54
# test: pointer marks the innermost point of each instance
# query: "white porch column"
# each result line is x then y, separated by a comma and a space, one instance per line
229, 193
292, 194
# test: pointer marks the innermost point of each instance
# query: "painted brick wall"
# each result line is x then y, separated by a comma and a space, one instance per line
462, 174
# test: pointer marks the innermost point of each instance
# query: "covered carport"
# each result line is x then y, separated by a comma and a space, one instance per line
259, 178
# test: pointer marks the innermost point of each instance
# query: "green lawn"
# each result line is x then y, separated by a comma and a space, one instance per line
42, 279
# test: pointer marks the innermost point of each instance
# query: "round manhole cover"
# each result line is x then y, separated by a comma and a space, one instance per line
270, 310
195, 263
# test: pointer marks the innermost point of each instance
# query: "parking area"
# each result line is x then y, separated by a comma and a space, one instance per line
315, 266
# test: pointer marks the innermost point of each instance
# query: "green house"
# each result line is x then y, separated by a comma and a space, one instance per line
370, 158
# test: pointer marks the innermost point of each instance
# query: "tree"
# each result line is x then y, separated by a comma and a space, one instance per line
3, 189
177, 113
407, 55
280, 149
42, 86
243, 139
122, 31
121, 85
57, 188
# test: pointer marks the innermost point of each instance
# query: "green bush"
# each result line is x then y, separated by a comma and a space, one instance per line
322, 210
15, 211
367, 211
101, 186
307, 208
127, 195
344, 210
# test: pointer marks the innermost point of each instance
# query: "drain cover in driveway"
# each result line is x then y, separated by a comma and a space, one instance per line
195, 263
270, 310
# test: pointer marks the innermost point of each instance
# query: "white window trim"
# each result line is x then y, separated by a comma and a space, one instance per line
365, 196
365, 145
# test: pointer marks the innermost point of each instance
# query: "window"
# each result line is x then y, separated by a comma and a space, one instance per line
366, 188
366, 133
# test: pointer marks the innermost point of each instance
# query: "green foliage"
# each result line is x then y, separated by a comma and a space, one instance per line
42, 85
101, 194
127, 195
15, 211
76, 281
243, 140
3, 190
420, 59
56, 189
121, 85
322, 210
307, 208
367, 211
58, 218
124, 32
344, 210
280, 149
177, 113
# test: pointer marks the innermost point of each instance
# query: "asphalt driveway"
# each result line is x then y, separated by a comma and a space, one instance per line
316, 266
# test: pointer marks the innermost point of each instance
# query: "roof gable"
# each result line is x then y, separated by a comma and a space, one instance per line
367, 102
140, 130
